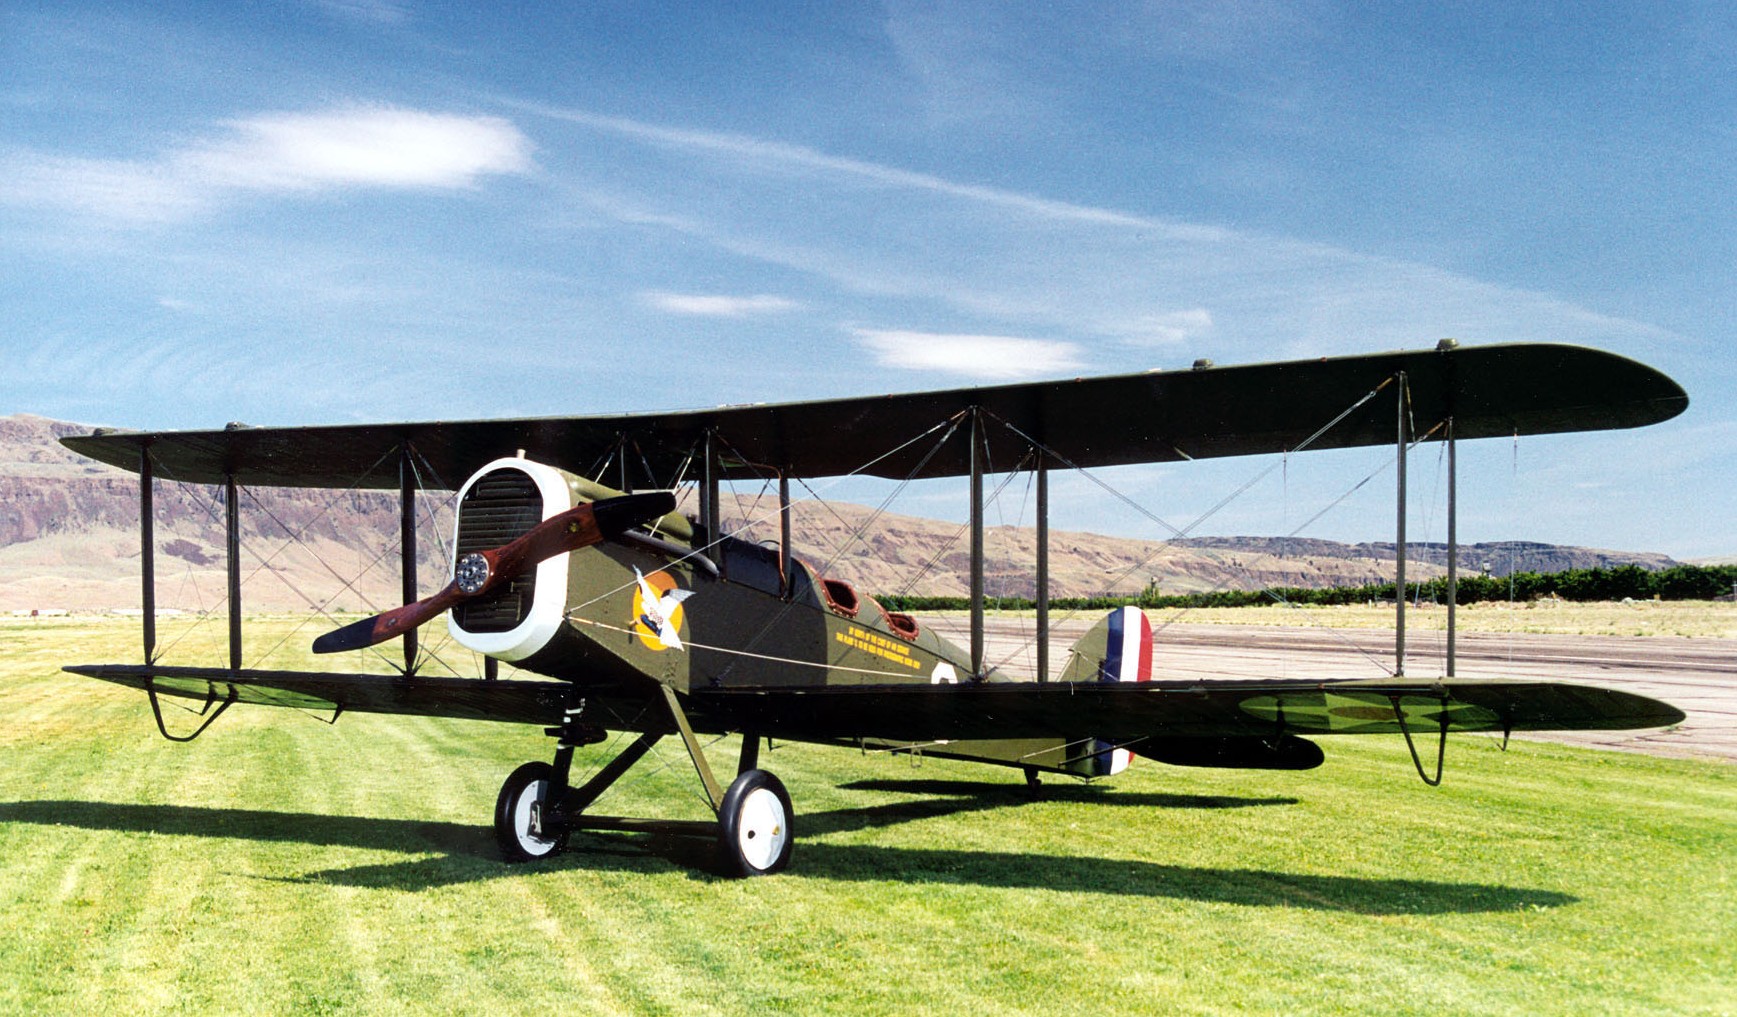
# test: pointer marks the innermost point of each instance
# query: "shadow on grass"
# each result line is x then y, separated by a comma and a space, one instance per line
1096, 794
951, 797
1008, 870
1252, 887
406, 835
466, 854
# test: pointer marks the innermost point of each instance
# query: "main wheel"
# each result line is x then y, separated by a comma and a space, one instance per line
754, 825
524, 788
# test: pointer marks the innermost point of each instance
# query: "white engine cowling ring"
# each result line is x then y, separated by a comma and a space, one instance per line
549, 597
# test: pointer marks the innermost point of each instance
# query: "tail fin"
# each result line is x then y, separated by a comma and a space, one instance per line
1117, 649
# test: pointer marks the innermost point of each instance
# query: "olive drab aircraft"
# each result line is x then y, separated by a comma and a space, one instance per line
646, 622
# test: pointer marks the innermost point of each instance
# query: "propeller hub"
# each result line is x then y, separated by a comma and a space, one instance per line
471, 573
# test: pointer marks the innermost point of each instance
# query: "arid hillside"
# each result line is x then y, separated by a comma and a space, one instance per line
69, 540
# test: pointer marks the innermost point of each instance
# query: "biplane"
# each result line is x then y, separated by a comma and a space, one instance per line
651, 623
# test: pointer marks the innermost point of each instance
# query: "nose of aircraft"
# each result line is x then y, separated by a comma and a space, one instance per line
580, 526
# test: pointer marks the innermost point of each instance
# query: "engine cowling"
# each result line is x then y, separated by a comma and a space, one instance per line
498, 503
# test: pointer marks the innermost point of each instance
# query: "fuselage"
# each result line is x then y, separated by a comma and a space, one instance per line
676, 606
672, 606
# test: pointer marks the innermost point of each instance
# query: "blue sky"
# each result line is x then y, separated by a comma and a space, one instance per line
340, 211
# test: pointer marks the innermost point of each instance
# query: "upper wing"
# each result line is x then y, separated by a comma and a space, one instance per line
1128, 711
1522, 388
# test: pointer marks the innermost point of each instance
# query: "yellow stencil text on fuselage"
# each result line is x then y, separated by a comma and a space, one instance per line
879, 645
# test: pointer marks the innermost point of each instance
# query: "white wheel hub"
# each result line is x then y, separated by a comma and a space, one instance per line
762, 828
532, 844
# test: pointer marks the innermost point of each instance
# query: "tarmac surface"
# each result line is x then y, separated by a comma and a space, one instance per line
1697, 676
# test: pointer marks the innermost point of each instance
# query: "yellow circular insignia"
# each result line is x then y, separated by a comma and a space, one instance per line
657, 611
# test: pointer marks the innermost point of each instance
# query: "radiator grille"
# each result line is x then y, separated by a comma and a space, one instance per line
497, 509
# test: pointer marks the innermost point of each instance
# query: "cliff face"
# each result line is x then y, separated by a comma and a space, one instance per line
69, 539
69, 536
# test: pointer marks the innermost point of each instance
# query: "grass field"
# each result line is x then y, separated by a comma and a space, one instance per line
279, 865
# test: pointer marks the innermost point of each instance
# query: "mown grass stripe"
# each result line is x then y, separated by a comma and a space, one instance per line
281, 865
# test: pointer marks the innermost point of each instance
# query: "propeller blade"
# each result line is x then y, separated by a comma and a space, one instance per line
384, 626
478, 573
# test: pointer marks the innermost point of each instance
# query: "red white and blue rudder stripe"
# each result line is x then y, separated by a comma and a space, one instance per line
1127, 658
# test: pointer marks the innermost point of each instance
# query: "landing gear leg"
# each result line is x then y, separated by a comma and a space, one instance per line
530, 815
537, 810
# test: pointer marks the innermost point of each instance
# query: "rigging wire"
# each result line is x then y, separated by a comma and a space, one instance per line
1179, 533
951, 424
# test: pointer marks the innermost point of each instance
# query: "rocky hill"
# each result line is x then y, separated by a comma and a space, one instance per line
69, 540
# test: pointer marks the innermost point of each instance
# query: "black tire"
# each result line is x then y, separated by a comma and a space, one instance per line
523, 787
755, 828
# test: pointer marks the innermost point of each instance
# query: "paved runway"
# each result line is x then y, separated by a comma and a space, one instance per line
1698, 676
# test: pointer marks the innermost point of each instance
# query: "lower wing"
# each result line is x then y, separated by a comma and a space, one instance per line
1114, 711
524, 702
1127, 711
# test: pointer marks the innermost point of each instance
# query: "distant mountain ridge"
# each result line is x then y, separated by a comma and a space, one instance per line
69, 539
1499, 558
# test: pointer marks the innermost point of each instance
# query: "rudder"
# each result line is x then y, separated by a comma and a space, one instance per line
1117, 649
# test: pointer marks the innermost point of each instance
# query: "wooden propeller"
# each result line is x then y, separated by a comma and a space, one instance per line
478, 573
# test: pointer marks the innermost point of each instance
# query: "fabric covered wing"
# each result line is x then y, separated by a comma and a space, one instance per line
524, 702
1127, 711
1496, 390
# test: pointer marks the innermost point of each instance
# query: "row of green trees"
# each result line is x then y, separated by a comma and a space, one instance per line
1681, 582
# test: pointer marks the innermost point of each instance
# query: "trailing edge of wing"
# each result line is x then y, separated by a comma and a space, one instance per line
1127, 711
1156, 416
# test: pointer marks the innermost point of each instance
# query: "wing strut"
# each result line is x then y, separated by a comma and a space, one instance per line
232, 556
407, 545
147, 554
977, 455
1404, 412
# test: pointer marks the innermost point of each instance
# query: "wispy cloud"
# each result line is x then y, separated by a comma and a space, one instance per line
712, 305
1170, 329
108, 189
350, 147
1121, 282
984, 357
750, 150
377, 12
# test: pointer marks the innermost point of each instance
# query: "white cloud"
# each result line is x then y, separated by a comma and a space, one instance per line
362, 146
377, 12
108, 189
750, 151
706, 305
1172, 329
986, 357
376, 146
1122, 282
